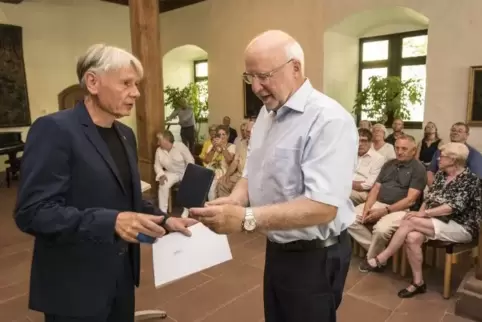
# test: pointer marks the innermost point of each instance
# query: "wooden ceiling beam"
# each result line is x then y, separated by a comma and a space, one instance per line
12, 1
164, 5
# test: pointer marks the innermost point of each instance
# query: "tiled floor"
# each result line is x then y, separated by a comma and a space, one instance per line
231, 292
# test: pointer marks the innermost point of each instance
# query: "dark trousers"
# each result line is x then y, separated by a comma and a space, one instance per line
305, 285
188, 137
122, 306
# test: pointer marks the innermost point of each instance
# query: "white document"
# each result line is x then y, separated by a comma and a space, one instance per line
145, 186
176, 256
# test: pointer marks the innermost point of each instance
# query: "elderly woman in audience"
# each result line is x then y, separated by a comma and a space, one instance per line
227, 182
219, 156
379, 132
429, 144
451, 212
208, 143
364, 124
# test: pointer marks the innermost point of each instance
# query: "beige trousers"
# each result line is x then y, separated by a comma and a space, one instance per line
374, 241
358, 197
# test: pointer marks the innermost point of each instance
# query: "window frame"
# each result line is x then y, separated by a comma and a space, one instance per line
198, 79
393, 63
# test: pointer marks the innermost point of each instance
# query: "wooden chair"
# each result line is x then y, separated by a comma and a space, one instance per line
452, 251
173, 189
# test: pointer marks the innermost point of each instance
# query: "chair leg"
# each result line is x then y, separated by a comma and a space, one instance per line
403, 265
149, 315
434, 257
169, 203
395, 261
7, 177
475, 254
447, 275
355, 246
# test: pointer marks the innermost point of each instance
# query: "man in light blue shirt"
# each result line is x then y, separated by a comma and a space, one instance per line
298, 178
459, 132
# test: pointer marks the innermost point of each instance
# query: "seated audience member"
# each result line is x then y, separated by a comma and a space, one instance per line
429, 144
208, 143
227, 182
459, 133
170, 163
451, 213
219, 156
398, 188
240, 139
232, 133
364, 124
386, 149
397, 127
369, 165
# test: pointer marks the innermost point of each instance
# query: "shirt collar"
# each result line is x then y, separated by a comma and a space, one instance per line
298, 100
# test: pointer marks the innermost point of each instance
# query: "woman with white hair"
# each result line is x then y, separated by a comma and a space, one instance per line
451, 212
379, 132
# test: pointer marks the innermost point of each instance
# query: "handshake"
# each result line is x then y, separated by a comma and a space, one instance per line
223, 216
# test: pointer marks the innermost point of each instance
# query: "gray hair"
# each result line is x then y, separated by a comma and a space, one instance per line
457, 151
380, 126
103, 58
295, 51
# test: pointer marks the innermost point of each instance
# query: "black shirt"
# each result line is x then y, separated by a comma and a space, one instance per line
119, 155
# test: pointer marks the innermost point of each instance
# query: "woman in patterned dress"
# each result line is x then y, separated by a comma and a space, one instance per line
451, 212
219, 156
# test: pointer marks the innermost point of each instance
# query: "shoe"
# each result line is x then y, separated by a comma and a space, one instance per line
365, 267
418, 289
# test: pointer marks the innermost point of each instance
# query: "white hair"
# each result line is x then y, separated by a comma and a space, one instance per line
379, 126
103, 58
295, 51
457, 151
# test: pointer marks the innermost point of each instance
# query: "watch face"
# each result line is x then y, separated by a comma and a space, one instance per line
250, 224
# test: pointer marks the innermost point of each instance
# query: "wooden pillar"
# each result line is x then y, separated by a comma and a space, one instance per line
478, 267
145, 38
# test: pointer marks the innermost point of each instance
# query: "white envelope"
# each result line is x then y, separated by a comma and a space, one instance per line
176, 256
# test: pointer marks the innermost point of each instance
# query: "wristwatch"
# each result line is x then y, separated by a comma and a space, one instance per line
249, 222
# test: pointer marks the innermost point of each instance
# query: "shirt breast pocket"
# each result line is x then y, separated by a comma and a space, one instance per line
284, 168
404, 178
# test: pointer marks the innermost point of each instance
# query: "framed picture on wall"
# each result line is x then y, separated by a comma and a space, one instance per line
252, 104
474, 106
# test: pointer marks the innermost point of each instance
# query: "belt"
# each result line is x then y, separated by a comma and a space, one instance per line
307, 245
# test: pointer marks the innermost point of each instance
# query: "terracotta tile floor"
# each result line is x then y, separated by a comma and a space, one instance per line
230, 292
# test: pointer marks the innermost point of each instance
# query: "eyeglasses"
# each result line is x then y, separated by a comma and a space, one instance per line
263, 77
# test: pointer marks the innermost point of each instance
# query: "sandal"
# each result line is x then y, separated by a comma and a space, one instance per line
365, 266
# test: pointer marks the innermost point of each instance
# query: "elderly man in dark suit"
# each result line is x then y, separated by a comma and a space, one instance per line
80, 197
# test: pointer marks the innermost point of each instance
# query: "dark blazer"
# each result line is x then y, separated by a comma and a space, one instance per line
69, 197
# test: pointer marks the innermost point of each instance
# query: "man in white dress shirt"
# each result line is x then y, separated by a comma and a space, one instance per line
370, 162
170, 164
297, 180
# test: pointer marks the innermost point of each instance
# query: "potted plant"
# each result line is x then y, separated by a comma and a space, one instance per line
387, 98
193, 93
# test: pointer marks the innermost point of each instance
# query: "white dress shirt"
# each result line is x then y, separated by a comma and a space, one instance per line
388, 151
368, 168
174, 161
308, 148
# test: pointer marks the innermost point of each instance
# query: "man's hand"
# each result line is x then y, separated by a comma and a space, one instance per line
223, 219
411, 214
129, 224
162, 179
374, 215
180, 225
223, 201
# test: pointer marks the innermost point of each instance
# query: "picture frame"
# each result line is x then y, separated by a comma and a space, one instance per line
474, 102
252, 104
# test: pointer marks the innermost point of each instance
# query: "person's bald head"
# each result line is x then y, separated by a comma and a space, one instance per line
274, 67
